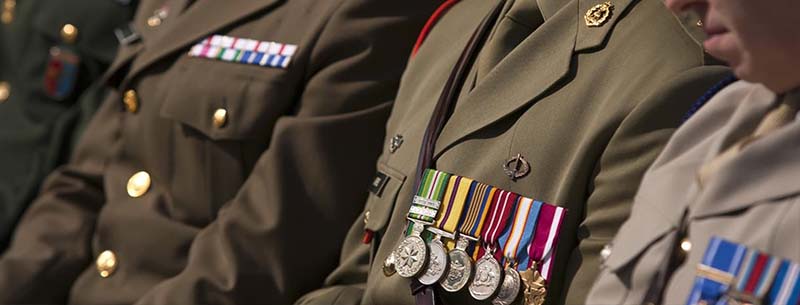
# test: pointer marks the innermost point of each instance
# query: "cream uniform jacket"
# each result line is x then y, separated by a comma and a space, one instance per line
752, 200
219, 176
588, 107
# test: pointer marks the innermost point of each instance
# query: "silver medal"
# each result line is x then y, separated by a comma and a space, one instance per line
509, 289
488, 275
460, 271
437, 263
411, 256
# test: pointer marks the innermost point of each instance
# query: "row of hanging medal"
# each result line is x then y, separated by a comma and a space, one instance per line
512, 237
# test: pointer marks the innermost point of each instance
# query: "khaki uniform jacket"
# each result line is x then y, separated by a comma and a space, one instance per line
588, 107
38, 129
249, 207
752, 200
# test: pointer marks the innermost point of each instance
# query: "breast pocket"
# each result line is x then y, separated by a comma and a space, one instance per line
384, 191
223, 122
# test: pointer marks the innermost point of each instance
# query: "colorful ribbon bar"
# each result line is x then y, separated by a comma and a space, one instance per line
427, 202
732, 271
245, 51
453, 204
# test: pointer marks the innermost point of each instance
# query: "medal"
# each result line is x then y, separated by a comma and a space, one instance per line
510, 288
542, 249
515, 240
460, 271
534, 283
411, 255
476, 206
488, 272
438, 261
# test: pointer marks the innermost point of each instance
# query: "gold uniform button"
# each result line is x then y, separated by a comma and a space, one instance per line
5, 91
106, 263
138, 184
69, 33
366, 217
8, 11
153, 21
686, 245
220, 118
131, 101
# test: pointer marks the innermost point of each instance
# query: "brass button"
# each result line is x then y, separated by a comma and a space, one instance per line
220, 118
138, 184
106, 263
8, 11
686, 245
5, 91
153, 21
366, 217
131, 101
69, 33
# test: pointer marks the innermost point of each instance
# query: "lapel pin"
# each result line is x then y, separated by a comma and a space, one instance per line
598, 14
516, 167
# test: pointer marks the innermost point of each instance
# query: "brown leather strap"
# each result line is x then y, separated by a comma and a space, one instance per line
426, 295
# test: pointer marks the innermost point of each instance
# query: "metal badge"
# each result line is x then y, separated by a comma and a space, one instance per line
488, 275
460, 271
598, 14
437, 263
395, 143
509, 289
411, 256
517, 167
535, 290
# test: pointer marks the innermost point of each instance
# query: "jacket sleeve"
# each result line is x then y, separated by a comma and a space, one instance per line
281, 234
632, 149
41, 261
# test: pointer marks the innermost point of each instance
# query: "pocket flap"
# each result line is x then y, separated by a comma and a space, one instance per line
383, 194
225, 107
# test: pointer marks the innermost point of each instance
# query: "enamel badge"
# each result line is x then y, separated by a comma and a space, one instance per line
61, 73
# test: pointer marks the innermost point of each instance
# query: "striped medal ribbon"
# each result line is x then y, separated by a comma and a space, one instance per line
515, 240
488, 272
410, 256
541, 253
766, 280
458, 205
733, 274
477, 207
438, 260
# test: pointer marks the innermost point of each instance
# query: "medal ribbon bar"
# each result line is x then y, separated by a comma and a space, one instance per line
543, 248
759, 278
516, 238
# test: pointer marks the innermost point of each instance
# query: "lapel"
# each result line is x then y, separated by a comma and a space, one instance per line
191, 26
525, 75
765, 170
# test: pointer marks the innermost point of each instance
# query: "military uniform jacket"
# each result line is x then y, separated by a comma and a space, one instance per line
752, 200
37, 125
207, 181
588, 107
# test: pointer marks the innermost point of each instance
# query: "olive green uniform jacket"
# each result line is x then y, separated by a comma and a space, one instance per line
38, 129
588, 107
751, 200
246, 205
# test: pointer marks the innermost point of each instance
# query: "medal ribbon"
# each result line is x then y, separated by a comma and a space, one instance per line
426, 204
453, 204
518, 235
479, 202
715, 272
543, 247
768, 278
502, 203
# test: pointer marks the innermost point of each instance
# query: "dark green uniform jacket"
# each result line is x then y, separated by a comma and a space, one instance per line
52, 55
588, 107
229, 160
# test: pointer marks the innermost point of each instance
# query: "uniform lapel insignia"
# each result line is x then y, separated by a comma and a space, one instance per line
598, 14
245, 51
